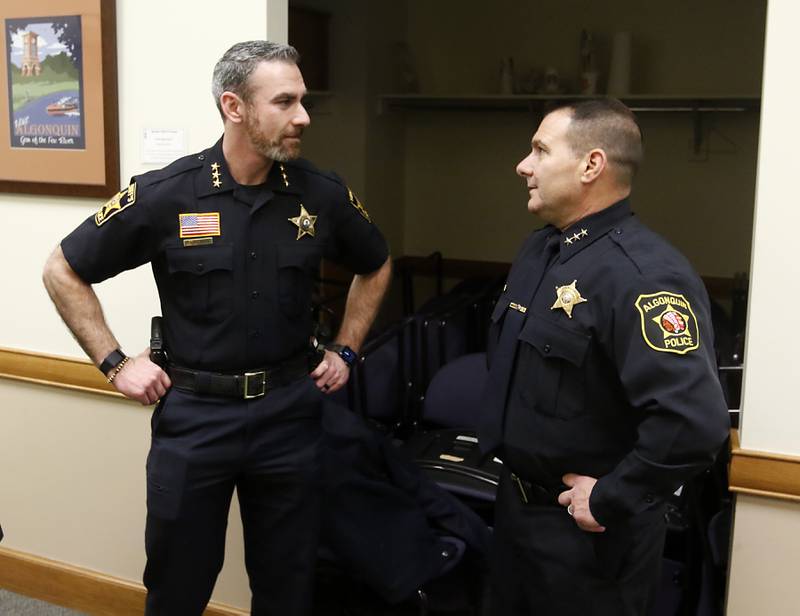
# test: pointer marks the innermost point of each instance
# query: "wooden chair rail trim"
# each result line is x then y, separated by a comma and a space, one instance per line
79, 589
752, 472
763, 473
54, 370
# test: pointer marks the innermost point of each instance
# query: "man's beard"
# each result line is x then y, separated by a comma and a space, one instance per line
269, 148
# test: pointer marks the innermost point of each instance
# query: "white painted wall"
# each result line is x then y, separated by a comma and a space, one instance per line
766, 538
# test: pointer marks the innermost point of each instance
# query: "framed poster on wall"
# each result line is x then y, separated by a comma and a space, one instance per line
58, 98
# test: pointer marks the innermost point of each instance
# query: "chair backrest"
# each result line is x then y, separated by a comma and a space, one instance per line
453, 398
381, 380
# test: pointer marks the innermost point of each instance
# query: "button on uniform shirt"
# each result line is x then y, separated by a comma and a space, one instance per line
614, 374
234, 265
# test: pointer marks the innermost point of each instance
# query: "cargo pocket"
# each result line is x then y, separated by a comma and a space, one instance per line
558, 388
296, 267
166, 478
203, 277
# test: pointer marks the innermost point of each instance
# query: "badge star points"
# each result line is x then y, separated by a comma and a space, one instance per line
305, 223
567, 297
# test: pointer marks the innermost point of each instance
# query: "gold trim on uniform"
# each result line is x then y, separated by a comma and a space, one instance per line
668, 322
518, 307
305, 223
123, 199
284, 176
357, 204
567, 297
215, 177
578, 236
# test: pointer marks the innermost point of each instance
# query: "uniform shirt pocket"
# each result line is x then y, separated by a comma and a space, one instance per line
558, 385
296, 267
203, 281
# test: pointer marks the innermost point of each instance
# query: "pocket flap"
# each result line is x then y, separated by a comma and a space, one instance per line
294, 256
199, 259
552, 340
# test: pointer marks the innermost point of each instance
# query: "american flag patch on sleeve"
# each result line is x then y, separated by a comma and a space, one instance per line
201, 224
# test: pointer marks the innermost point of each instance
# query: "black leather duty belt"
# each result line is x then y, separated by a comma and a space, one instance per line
246, 385
533, 493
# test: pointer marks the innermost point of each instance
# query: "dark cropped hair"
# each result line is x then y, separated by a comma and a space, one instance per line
608, 124
234, 68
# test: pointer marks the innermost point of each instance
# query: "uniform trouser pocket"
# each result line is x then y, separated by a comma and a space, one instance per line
166, 478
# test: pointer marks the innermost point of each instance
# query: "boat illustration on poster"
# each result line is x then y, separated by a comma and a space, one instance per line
45, 82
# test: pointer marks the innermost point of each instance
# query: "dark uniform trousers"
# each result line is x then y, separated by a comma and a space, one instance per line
545, 565
202, 448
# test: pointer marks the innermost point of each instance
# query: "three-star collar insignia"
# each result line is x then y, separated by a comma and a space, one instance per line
284, 177
567, 297
577, 237
305, 223
215, 177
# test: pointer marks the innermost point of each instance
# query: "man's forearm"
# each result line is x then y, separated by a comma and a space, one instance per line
79, 307
363, 301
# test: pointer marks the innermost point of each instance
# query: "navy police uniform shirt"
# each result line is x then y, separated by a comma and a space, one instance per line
234, 265
615, 373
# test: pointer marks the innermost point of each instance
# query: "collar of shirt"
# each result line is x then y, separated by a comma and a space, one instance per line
215, 177
586, 231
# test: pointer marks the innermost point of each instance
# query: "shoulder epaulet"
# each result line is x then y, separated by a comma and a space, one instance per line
182, 165
646, 249
306, 166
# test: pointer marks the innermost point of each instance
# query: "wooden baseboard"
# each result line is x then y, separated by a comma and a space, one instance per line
79, 589
54, 370
762, 473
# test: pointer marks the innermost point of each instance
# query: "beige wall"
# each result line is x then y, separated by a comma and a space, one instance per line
763, 574
76, 493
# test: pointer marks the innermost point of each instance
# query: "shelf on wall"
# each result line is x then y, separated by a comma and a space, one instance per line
536, 102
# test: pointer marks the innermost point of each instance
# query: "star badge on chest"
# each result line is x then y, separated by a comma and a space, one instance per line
305, 223
567, 297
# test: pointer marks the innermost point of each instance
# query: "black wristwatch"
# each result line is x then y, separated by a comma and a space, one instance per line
113, 360
345, 352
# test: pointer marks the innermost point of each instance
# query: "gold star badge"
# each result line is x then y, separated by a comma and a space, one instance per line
568, 297
215, 177
305, 223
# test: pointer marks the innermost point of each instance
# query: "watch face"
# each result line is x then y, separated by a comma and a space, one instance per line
348, 355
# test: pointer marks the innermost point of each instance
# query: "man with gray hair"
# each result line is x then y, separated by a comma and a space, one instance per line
603, 396
235, 235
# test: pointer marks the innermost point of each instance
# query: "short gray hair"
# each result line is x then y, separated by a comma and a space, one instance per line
608, 124
234, 68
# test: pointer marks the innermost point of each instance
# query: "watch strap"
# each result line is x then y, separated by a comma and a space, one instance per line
114, 359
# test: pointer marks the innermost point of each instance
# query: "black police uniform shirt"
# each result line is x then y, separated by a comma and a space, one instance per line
234, 265
615, 373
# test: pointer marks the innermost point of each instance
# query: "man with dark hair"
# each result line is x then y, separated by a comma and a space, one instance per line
235, 235
603, 397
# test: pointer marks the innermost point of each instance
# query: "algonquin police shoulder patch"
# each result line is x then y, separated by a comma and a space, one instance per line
668, 322
123, 199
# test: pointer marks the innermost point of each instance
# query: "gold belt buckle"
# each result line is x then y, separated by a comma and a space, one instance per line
259, 387
521, 488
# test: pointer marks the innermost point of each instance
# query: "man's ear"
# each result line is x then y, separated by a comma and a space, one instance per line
232, 107
594, 164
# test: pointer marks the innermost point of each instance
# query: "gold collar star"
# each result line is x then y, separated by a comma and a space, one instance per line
567, 297
576, 237
215, 177
305, 223
285, 178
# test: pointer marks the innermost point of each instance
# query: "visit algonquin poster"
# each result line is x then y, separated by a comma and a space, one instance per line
45, 82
